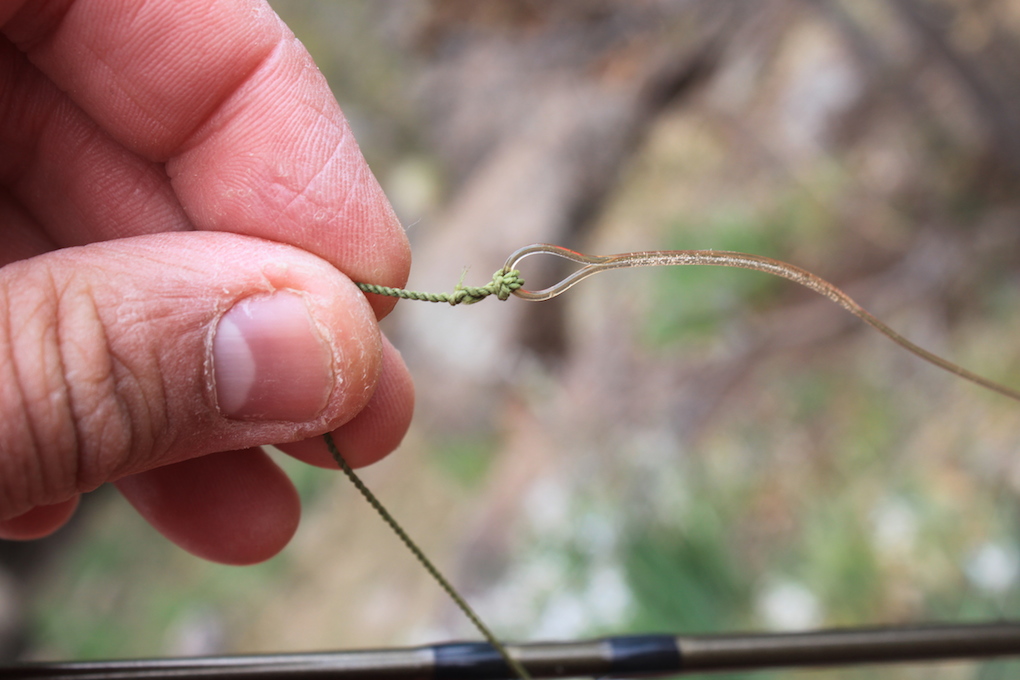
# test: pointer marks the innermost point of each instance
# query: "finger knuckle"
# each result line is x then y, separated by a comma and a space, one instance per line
73, 407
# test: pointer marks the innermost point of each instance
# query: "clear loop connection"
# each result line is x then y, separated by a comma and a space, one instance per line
593, 264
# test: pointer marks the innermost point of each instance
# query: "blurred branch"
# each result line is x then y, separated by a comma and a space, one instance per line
992, 99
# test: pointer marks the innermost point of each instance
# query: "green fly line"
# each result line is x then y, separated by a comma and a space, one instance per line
433, 571
507, 282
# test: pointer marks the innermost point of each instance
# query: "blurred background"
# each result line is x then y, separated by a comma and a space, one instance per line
686, 450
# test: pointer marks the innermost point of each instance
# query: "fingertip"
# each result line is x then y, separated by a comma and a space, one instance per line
235, 507
39, 522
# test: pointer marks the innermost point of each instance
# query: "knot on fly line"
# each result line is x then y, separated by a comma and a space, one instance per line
504, 283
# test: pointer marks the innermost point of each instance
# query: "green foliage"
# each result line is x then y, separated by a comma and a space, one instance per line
465, 460
309, 480
690, 303
122, 588
685, 580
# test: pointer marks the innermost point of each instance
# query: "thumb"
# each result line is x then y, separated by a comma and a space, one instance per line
123, 356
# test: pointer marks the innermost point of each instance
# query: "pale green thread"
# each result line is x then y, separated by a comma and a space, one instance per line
504, 283
514, 665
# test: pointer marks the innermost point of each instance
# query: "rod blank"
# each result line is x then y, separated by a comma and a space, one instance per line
644, 655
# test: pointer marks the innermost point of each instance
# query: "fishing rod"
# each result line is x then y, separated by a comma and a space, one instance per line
634, 655
618, 656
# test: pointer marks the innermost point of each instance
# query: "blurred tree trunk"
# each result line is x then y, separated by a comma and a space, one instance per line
536, 108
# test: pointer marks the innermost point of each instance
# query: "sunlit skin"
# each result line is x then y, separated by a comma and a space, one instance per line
161, 163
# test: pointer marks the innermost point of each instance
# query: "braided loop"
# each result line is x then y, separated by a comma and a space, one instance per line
504, 283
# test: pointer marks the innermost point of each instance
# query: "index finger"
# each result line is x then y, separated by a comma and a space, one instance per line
223, 93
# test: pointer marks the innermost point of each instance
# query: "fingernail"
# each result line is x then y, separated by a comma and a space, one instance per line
270, 362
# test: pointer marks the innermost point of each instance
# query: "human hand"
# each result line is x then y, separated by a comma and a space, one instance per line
182, 203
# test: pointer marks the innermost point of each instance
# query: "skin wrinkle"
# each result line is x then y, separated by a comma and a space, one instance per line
155, 435
152, 211
163, 142
57, 392
286, 194
356, 233
115, 436
302, 194
101, 51
98, 436
11, 483
203, 129
77, 461
275, 60
161, 415
117, 408
146, 210
139, 417
136, 424
32, 474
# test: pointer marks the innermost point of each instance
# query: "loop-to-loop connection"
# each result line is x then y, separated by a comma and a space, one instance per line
505, 282
593, 264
